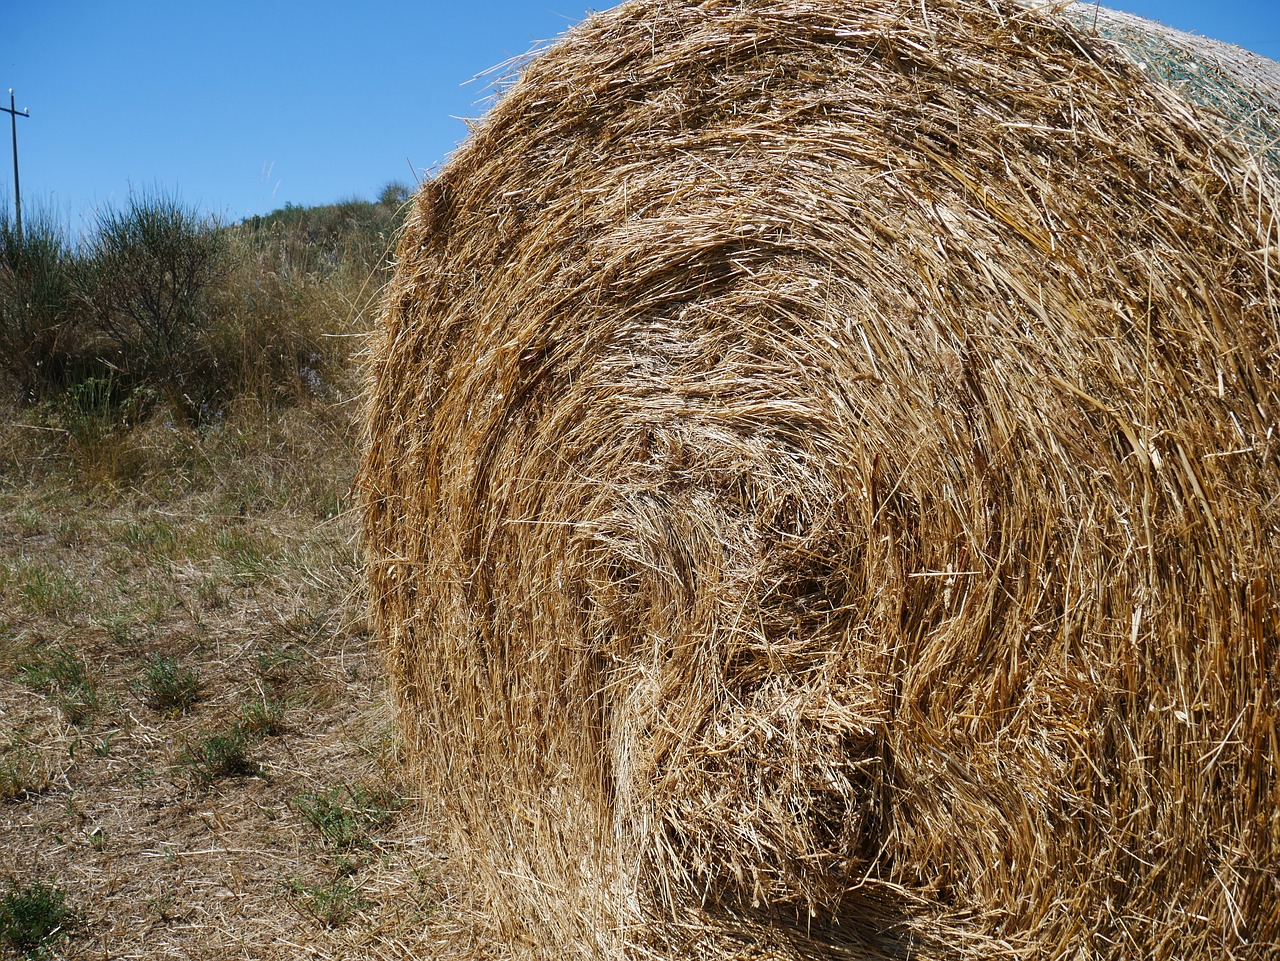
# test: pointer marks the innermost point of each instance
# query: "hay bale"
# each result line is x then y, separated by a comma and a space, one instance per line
822, 494
1241, 86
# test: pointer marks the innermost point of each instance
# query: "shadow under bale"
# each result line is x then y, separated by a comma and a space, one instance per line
821, 494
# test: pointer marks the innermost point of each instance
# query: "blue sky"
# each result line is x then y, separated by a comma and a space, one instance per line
239, 107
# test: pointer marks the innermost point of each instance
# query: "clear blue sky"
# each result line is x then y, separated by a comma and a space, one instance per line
239, 107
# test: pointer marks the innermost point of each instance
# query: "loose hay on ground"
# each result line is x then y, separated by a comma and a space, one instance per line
821, 494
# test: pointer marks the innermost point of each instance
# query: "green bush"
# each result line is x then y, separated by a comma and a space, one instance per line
151, 272
161, 312
39, 309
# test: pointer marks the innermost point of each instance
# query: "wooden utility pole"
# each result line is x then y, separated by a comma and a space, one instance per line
14, 114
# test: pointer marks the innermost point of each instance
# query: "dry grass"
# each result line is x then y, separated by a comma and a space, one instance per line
822, 495
183, 667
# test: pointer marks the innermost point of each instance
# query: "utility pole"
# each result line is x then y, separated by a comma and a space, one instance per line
14, 114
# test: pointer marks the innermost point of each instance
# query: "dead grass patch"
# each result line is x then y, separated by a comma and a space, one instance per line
167, 815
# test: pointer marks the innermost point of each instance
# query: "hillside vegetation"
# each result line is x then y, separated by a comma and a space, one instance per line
158, 306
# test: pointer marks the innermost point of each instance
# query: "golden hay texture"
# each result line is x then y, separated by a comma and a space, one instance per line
822, 494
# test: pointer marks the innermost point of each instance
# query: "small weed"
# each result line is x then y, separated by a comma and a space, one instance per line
281, 666
165, 907
331, 903
165, 686
48, 592
63, 676
344, 815
262, 718
220, 754
33, 917
345, 866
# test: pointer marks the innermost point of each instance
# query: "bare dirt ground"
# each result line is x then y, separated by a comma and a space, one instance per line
196, 747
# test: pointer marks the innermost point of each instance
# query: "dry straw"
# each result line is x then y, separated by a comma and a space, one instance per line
822, 494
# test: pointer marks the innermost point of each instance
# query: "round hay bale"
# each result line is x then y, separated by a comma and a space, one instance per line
822, 497
1241, 86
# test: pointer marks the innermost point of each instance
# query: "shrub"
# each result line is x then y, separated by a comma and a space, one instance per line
161, 309
33, 916
38, 307
153, 267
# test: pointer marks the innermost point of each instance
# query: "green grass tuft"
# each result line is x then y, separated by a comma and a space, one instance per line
63, 676
261, 718
167, 686
345, 815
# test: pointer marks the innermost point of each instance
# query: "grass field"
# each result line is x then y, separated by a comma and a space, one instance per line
197, 757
